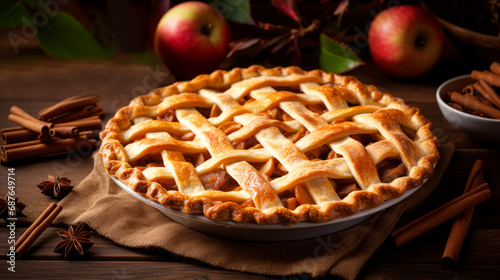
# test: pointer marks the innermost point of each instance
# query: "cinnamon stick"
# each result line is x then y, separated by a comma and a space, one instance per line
479, 88
489, 93
440, 215
67, 105
474, 104
462, 221
83, 124
495, 67
44, 138
490, 77
66, 131
79, 114
20, 144
14, 136
50, 148
37, 228
34, 126
30, 120
19, 134
36, 223
87, 133
7, 129
91, 122
21, 113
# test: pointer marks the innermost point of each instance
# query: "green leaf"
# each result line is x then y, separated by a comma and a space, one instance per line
63, 37
14, 14
335, 57
234, 10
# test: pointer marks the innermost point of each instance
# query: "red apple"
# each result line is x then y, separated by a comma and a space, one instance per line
192, 38
405, 41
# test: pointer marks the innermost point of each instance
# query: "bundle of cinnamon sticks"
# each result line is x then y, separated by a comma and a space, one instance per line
460, 208
481, 97
62, 128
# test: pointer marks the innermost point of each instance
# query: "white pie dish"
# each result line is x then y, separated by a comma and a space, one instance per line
281, 134
483, 129
264, 232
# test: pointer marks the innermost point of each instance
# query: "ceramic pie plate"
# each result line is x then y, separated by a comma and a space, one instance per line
267, 232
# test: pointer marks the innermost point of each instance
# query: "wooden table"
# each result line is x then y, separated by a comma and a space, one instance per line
34, 81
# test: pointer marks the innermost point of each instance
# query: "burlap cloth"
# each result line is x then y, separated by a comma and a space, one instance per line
115, 214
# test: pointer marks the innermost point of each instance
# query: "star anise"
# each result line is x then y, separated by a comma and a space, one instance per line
56, 187
6, 209
76, 241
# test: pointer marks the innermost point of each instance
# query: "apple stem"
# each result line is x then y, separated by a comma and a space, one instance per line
205, 30
419, 42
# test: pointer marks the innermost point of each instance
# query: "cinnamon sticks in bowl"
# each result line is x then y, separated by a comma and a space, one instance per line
479, 98
471, 104
65, 127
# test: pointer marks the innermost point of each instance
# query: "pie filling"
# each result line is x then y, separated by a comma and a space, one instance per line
277, 145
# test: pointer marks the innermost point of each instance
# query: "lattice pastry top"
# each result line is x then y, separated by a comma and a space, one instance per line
279, 145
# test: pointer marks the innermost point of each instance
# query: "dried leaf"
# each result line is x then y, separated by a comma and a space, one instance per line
242, 44
287, 7
272, 46
341, 7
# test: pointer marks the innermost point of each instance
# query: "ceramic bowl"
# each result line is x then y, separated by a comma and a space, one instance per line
479, 128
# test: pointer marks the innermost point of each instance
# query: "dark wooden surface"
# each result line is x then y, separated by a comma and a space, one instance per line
33, 81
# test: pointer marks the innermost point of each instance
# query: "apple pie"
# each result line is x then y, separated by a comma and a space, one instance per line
269, 146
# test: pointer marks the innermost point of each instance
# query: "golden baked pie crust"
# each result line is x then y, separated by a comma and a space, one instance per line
244, 98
